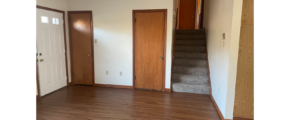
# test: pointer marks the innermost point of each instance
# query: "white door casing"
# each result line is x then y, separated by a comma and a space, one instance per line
50, 49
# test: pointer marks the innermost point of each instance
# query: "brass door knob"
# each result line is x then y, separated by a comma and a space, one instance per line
41, 60
89, 55
160, 57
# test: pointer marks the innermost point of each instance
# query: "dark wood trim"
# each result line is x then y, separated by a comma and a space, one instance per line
178, 14
167, 90
49, 9
113, 86
37, 82
208, 71
164, 37
241, 118
92, 43
37, 96
201, 15
217, 108
175, 29
65, 47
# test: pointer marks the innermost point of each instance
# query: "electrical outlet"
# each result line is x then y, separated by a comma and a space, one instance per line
120, 73
107, 72
219, 89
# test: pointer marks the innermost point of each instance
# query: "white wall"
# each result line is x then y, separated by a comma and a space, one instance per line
223, 16
113, 51
59, 5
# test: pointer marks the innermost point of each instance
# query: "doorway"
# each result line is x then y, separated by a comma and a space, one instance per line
81, 47
187, 14
51, 50
149, 41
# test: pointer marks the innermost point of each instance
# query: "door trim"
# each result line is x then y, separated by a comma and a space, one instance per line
36, 77
164, 41
64, 35
92, 43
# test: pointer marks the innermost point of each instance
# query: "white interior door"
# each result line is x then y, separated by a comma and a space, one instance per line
50, 51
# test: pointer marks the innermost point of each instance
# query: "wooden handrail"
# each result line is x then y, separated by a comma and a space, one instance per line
175, 29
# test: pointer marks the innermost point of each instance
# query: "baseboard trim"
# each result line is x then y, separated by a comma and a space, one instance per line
217, 108
242, 118
69, 84
37, 96
167, 90
113, 86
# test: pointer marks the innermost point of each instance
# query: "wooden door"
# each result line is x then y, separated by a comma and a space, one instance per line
81, 40
50, 51
187, 14
244, 93
149, 49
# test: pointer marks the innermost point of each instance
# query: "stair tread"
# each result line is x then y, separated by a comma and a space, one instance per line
189, 67
188, 74
188, 59
190, 83
190, 52
190, 29
189, 40
199, 88
192, 46
190, 35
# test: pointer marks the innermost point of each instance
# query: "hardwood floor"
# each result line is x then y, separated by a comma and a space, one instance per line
96, 103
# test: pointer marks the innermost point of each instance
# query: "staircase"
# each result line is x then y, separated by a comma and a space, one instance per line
189, 72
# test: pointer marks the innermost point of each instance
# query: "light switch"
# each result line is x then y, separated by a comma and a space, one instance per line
120, 73
224, 35
107, 72
95, 40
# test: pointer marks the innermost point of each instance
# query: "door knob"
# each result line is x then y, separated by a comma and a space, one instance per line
89, 55
160, 57
41, 60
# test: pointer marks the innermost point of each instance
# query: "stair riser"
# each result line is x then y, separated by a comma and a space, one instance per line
190, 78
202, 89
190, 43
190, 49
191, 63
196, 32
196, 56
190, 37
190, 71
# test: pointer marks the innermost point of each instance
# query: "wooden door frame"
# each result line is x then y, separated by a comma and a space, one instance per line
92, 43
164, 42
64, 35
178, 14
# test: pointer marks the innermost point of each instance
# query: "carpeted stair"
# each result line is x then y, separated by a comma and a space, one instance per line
189, 73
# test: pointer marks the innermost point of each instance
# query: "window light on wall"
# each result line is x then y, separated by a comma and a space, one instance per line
55, 21
44, 19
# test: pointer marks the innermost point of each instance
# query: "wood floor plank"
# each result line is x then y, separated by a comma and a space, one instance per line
96, 103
